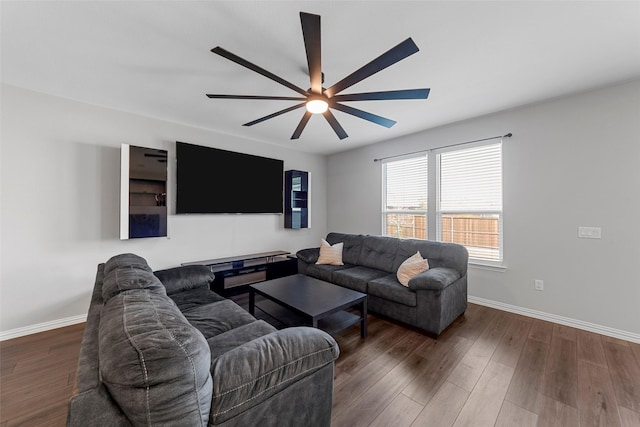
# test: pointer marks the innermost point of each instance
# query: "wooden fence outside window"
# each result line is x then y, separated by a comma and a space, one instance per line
471, 230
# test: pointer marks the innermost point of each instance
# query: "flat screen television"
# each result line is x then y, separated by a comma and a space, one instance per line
211, 180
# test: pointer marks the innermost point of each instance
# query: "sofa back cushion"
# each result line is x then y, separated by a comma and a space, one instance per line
352, 246
153, 362
380, 253
123, 276
388, 253
438, 254
126, 260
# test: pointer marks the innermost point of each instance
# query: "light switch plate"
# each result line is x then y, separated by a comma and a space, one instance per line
590, 232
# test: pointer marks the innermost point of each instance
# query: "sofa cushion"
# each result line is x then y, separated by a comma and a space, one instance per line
380, 253
387, 287
153, 362
179, 279
233, 338
251, 373
439, 254
218, 317
356, 278
325, 272
352, 245
192, 298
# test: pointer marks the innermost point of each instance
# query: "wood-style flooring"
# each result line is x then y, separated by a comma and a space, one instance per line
37, 377
490, 368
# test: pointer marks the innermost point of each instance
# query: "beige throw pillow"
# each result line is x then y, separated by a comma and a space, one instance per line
331, 255
411, 267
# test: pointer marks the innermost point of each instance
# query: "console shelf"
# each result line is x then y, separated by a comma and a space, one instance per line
234, 274
296, 199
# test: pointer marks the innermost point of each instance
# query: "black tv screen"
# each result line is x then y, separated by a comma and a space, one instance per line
210, 180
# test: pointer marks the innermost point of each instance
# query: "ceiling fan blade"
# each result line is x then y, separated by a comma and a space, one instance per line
379, 120
385, 95
303, 122
312, 43
276, 98
390, 57
334, 124
235, 58
276, 114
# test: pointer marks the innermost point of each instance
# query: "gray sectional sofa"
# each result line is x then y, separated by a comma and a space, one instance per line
163, 349
433, 299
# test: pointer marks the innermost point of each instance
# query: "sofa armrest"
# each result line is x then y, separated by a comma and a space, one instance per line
184, 278
310, 256
251, 373
434, 279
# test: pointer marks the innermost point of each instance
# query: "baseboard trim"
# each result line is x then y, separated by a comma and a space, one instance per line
42, 327
578, 324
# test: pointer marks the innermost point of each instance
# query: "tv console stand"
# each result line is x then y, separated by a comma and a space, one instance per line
234, 274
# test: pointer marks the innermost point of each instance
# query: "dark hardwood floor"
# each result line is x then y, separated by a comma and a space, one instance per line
37, 377
490, 368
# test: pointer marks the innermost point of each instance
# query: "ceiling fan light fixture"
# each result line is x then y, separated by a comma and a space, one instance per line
317, 105
317, 99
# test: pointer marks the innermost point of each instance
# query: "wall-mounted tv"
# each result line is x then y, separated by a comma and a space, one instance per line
210, 180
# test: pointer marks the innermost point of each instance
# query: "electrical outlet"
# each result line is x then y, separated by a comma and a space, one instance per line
538, 285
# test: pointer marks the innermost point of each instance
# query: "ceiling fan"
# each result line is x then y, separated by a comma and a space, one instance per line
319, 100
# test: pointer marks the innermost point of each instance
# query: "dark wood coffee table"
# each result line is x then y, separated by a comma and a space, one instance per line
311, 301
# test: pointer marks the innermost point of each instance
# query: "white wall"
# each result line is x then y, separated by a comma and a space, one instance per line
572, 161
60, 204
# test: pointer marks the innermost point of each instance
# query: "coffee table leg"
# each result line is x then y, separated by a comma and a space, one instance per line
363, 322
252, 301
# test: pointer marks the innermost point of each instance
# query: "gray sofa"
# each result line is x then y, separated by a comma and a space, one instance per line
433, 299
164, 350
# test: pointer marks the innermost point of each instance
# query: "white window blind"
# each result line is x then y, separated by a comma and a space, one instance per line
404, 208
471, 179
406, 184
470, 200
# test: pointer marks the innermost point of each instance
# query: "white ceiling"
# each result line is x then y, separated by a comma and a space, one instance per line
478, 57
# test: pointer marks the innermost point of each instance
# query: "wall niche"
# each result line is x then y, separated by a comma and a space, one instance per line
296, 199
143, 192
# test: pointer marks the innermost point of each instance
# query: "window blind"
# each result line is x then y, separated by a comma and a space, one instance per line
406, 184
471, 179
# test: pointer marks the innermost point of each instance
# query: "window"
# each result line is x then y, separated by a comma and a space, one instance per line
467, 198
470, 200
404, 210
